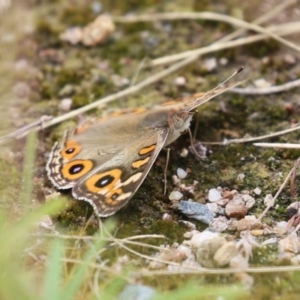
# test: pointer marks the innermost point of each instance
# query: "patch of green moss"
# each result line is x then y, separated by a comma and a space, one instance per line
76, 15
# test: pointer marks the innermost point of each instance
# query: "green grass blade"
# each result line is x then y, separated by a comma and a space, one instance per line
54, 272
81, 270
28, 169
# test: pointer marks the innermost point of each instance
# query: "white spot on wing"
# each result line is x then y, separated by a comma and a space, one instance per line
124, 196
133, 178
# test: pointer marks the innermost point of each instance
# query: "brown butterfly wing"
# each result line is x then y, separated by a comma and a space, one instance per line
112, 184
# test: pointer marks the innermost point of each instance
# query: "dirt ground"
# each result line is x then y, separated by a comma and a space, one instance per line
44, 75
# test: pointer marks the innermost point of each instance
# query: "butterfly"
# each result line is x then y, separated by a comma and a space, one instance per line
105, 161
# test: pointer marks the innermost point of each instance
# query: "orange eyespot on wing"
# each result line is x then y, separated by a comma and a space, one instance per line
103, 181
111, 197
71, 149
76, 169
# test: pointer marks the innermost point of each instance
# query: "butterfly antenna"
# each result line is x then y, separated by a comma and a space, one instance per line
226, 80
210, 94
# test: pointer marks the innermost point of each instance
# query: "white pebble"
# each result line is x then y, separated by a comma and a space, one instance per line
268, 201
262, 83
181, 173
200, 237
65, 104
175, 180
184, 249
210, 64
180, 81
257, 191
240, 177
213, 207
175, 195
184, 152
281, 224
223, 61
214, 195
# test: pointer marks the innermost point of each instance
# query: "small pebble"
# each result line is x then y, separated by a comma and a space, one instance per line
167, 217
213, 207
214, 195
184, 152
235, 209
249, 201
175, 179
196, 211
185, 249
223, 61
98, 31
210, 64
225, 253
181, 173
65, 104
188, 235
200, 237
206, 251
262, 83
293, 209
138, 292
219, 224
289, 59
289, 244
175, 196
173, 255
268, 201
228, 194
72, 35
119, 81
269, 241
257, 191
240, 178
257, 232
180, 81
280, 228
198, 150
188, 224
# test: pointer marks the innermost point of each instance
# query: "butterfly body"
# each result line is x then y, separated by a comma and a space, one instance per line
106, 160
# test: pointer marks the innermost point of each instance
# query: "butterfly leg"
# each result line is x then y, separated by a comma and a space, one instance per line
193, 146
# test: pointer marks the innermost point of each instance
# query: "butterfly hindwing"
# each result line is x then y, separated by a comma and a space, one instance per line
110, 186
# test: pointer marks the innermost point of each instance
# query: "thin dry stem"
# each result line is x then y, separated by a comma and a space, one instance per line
260, 20
278, 145
182, 271
208, 16
262, 137
282, 30
270, 90
150, 257
93, 238
277, 194
185, 270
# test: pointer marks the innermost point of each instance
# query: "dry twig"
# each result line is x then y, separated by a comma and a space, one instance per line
269, 90
262, 137
276, 196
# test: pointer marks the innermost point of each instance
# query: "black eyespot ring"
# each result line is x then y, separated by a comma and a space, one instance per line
104, 181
